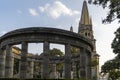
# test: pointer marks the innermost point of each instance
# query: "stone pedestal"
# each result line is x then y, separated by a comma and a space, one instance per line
9, 62
2, 63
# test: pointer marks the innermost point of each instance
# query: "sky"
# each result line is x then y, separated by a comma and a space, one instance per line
62, 14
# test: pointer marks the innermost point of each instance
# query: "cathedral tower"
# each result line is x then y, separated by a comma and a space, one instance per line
85, 24
85, 30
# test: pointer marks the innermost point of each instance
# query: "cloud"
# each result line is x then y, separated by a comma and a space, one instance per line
33, 12
57, 9
45, 8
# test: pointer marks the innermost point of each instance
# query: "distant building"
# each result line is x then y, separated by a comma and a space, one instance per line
16, 50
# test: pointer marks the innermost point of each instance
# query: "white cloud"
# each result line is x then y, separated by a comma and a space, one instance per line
33, 12
42, 9
57, 9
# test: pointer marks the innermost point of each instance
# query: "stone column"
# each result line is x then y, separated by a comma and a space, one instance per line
82, 63
31, 68
23, 65
74, 70
67, 61
2, 63
88, 66
45, 74
9, 62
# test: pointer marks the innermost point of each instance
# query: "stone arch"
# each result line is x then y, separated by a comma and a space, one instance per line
46, 36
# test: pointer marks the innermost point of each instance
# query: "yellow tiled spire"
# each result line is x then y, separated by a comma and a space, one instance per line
85, 19
90, 21
85, 24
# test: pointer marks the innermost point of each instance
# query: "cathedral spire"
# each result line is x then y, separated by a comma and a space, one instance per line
85, 19
90, 21
85, 24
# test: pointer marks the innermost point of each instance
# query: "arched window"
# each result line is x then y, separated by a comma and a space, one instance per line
88, 34
85, 34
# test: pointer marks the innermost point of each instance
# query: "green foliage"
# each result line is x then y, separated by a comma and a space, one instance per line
112, 5
107, 66
114, 75
56, 52
116, 43
112, 67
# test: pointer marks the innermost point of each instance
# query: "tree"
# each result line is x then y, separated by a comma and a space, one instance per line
56, 52
114, 75
116, 49
116, 43
114, 9
112, 67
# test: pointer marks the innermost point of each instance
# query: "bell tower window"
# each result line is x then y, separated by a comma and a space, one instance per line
88, 34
